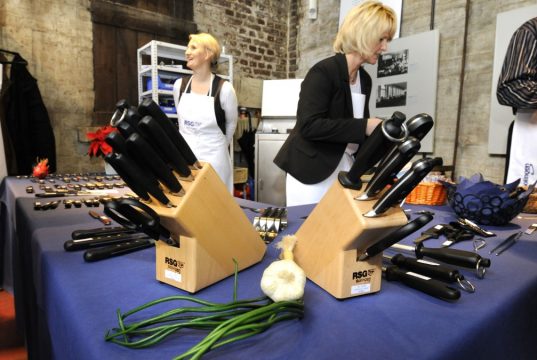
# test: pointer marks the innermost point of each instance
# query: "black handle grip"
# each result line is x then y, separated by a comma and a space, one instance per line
81, 244
434, 270
140, 149
422, 283
117, 142
126, 129
149, 107
117, 250
455, 257
113, 160
86, 233
151, 129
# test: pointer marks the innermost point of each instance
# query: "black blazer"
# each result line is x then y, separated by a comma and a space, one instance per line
325, 123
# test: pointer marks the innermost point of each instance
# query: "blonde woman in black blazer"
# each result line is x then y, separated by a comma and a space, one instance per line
332, 115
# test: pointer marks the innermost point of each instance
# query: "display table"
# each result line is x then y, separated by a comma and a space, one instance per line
74, 303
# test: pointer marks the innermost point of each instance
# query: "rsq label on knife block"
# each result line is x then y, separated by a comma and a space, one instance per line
335, 234
208, 244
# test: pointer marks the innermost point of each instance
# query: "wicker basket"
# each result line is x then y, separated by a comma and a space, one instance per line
428, 193
531, 205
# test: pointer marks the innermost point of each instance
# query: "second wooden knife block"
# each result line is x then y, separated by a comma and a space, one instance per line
212, 230
335, 234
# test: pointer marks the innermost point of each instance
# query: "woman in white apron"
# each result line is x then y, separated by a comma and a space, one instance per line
196, 108
333, 113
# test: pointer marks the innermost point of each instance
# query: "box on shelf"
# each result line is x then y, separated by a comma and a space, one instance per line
240, 175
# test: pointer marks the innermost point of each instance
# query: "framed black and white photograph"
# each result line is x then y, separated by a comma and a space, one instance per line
393, 63
390, 95
404, 79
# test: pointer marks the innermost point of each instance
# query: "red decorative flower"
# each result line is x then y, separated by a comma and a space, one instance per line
40, 170
99, 147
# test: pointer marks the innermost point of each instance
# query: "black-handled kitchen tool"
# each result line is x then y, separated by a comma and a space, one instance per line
404, 186
140, 149
130, 180
475, 228
385, 174
125, 113
396, 236
135, 215
117, 249
117, 142
373, 149
428, 268
150, 128
92, 242
506, 244
126, 129
466, 259
103, 231
422, 283
149, 107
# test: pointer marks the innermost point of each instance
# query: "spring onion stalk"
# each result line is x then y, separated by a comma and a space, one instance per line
225, 322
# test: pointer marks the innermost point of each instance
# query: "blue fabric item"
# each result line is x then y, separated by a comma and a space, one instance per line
485, 202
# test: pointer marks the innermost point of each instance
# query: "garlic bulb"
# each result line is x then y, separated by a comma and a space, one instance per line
284, 280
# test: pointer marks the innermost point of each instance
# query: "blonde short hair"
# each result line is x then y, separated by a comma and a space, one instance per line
208, 42
363, 26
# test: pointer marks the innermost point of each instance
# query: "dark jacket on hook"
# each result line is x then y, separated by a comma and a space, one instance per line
27, 121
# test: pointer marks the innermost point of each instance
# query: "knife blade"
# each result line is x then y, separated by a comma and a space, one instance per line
92, 242
149, 107
396, 236
388, 171
157, 137
104, 219
140, 149
372, 150
404, 186
117, 249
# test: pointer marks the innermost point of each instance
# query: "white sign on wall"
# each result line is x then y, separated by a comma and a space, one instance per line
346, 5
501, 115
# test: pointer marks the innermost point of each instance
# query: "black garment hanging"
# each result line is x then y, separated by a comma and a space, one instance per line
27, 120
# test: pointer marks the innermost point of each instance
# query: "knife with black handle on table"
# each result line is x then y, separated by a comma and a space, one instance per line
422, 283
373, 149
156, 135
397, 193
117, 249
396, 236
92, 242
149, 107
86, 233
386, 173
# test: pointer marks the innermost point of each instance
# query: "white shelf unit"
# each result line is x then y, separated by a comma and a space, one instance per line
166, 61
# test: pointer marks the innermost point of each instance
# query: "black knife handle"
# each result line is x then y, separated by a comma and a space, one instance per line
157, 135
455, 257
385, 174
82, 244
372, 150
149, 107
138, 147
114, 160
86, 233
422, 283
117, 250
398, 234
126, 129
117, 142
434, 270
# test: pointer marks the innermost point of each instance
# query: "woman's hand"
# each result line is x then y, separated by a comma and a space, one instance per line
372, 123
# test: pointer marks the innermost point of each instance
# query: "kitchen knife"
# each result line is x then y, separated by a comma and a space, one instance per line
92, 242
388, 171
396, 236
126, 129
117, 142
373, 149
404, 186
417, 126
157, 137
117, 249
431, 269
142, 183
149, 107
466, 259
126, 114
140, 149
104, 231
422, 283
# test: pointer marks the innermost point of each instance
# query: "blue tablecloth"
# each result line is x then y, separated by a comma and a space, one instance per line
76, 302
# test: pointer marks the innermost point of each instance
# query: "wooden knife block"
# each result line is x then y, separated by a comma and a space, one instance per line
335, 234
212, 231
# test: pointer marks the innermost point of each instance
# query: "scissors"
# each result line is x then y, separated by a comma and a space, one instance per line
135, 215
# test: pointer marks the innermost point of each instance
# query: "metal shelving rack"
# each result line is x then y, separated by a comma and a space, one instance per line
162, 64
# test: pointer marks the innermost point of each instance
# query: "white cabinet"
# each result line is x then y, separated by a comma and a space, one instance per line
162, 63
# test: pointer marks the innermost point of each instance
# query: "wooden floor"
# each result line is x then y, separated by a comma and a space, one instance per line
11, 344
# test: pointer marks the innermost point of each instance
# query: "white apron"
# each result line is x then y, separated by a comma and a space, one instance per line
523, 158
197, 124
298, 193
